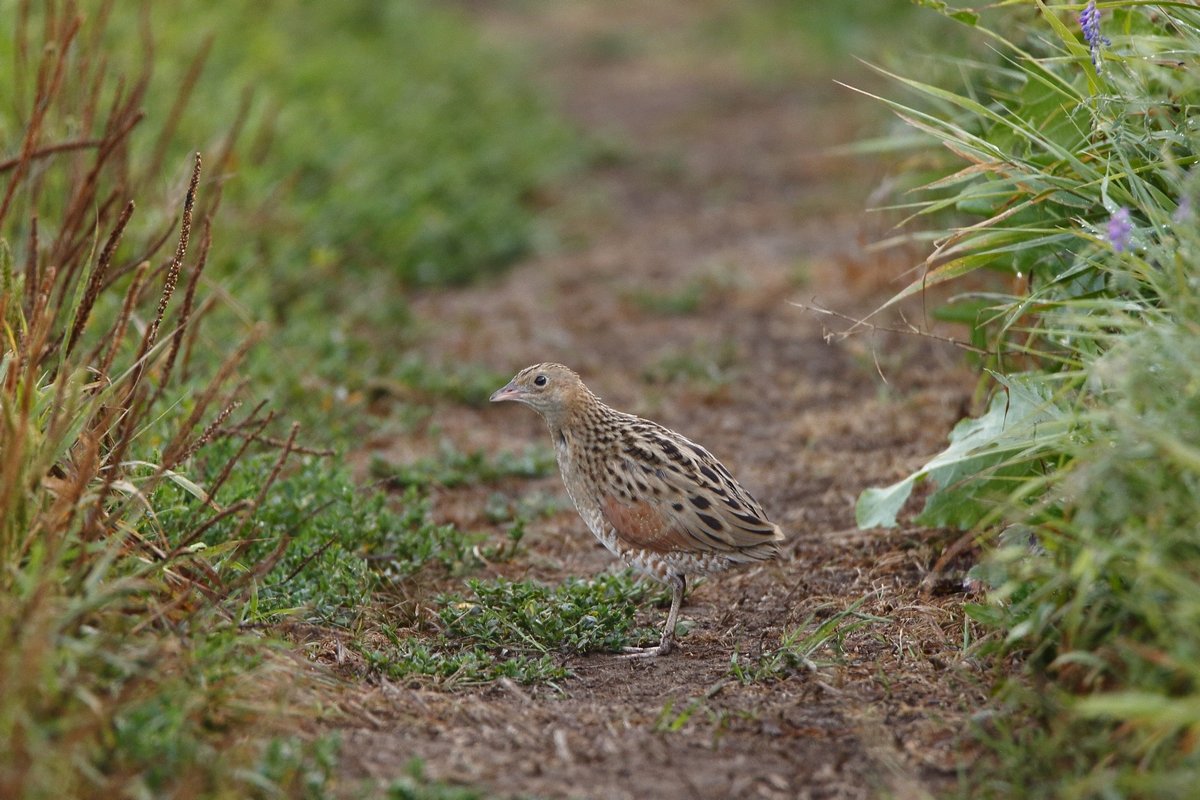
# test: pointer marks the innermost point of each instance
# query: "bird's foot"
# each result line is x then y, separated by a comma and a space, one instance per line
664, 647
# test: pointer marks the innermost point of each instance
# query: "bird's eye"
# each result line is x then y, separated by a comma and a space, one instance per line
540, 380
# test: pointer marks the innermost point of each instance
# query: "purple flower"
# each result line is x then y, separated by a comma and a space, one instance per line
1183, 212
1120, 229
1089, 23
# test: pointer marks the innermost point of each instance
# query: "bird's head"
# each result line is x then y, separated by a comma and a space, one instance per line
552, 390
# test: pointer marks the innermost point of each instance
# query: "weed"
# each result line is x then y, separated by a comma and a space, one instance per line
578, 616
699, 292
454, 468
798, 647
514, 533
515, 629
515, 515
670, 721
609, 47
450, 664
502, 508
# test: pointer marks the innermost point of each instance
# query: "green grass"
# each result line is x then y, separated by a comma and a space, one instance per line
697, 713
1081, 478
348, 185
453, 468
514, 515
149, 714
527, 506
680, 302
123, 670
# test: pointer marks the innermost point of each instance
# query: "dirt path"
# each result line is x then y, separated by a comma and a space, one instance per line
669, 297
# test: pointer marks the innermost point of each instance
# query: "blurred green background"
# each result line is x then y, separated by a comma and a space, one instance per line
384, 147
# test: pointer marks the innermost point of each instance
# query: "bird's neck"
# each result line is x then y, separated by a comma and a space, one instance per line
581, 421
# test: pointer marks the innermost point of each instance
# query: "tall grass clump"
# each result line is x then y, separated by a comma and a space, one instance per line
1068, 194
122, 669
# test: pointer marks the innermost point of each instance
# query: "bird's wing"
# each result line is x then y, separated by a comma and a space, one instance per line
666, 493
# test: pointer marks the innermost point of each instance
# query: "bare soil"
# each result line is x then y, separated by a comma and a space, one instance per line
720, 183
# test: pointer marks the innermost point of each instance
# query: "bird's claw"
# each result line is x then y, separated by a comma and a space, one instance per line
664, 647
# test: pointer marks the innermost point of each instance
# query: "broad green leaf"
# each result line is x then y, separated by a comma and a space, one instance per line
1017, 420
878, 508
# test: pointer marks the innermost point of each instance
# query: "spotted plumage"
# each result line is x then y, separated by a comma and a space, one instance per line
657, 500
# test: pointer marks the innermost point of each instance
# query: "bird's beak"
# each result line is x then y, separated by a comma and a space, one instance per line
509, 392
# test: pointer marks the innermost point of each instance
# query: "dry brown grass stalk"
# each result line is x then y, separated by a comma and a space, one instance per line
184, 94
97, 404
95, 280
259, 424
49, 150
179, 445
32, 273
189, 301
74, 234
97, 412
225, 153
49, 81
176, 263
116, 334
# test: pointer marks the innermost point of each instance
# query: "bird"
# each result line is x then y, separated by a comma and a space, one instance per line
657, 500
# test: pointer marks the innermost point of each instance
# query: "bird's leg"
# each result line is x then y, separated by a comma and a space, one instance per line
668, 637
667, 644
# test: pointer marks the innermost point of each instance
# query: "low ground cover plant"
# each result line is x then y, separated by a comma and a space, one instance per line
516, 629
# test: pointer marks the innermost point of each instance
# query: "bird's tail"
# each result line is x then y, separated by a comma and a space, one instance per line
762, 551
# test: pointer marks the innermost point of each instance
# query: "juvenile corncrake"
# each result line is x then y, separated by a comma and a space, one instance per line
659, 501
